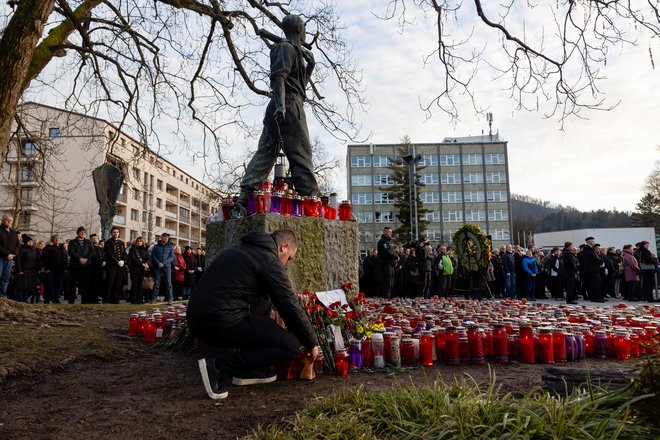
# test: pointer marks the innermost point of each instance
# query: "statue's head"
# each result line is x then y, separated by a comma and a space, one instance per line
293, 24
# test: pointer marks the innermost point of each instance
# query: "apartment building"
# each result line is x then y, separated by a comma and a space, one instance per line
465, 180
46, 181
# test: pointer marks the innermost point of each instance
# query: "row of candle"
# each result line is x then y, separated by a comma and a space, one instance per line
288, 204
156, 325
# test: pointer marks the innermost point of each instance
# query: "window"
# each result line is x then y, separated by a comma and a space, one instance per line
134, 215
496, 196
24, 220
366, 236
135, 195
432, 234
450, 178
384, 216
496, 177
29, 149
174, 172
475, 215
383, 199
26, 195
362, 199
474, 196
498, 214
451, 197
452, 216
450, 159
428, 160
158, 221
501, 234
133, 235
472, 159
136, 173
27, 173
429, 197
360, 161
433, 216
361, 180
184, 212
383, 179
144, 216
159, 184
382, 161
53, 132
364, 217
473, 178
111, 134
136, 149
495, 159
159, 203
429, 178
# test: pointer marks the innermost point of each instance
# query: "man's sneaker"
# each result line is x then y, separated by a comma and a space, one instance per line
212, 379
253, 377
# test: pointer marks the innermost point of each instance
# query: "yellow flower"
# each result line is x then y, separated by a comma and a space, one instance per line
360, 329
368, 334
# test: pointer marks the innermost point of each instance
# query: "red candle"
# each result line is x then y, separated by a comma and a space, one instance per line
634, 345
622, 344
526, 343
150, 330
440, 344
426, 348
387, 347
451, 347
132, 324
367, 353
345, 211
285, 208
259, 203
142, 320
476, 346
341, 362
500, 344
408, 351
588, 341
559, 342
547, 347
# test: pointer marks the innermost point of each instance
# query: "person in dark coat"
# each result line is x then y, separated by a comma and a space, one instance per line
231, 307
570, 270
138, 265
592, 269
201, 263
54, 260
80, 252
97, 271
647, 263
9, 246
411, 275
189, 273
114, 256
368, 273
521, 275
509, 266
27, 267
387, 258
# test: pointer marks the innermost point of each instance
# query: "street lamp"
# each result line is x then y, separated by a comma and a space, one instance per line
411, 160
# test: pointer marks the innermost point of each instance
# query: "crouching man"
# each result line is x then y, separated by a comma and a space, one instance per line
230, 307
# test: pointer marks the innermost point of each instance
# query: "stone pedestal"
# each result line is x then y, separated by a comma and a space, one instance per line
327, 249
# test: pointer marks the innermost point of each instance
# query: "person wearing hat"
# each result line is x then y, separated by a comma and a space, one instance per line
647, 263
115, 251
80, 253
27, 269
592, 269
162, 256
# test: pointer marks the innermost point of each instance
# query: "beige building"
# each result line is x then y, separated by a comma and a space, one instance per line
465, 180
46, 181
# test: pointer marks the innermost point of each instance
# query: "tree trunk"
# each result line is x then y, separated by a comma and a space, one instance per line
17, 47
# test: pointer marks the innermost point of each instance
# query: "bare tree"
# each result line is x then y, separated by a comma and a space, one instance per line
185, 60
559, 65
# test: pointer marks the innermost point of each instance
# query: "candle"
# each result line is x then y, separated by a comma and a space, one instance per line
276, 202
600, 344
345, 211
367, 353
297, 206
377, 348
341, 362
559, 341
132, 324
476, 346
395, 350
426, 348
451, 346
408, 351
500, 345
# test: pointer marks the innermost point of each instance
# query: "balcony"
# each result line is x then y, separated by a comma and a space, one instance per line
121, 198
184, 235
119, 220
171, 215
185, 203
171, 197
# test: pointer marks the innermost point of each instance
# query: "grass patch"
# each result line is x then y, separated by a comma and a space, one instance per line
466, 411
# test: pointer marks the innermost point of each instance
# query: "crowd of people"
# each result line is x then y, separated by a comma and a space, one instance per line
93, 270
586, 270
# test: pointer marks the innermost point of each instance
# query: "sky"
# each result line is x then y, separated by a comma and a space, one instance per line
597, 161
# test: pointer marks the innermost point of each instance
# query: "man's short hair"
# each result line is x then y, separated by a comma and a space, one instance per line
285, 236
53, 237
114, 228
386, 228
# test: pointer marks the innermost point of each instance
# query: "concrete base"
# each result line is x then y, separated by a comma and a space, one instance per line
327, 253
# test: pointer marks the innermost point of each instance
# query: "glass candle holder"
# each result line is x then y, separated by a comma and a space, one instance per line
345, 211
142, 320
285, 208
355, 356
276, 202
297, 206
319, 363
395, 350
407, 351
132, 324
600, 344
622, 344
377, 349
588, 341
571, 347
559, 341
546, 346
251, 209
341, 362
526, 351
451, 347
476, 346
367, 352
150, 330
266, 185
500, 345
259, 203
426, 348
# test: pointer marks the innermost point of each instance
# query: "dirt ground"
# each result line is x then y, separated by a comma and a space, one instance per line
149, 393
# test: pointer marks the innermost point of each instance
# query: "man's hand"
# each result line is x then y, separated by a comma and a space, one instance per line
308, 56
83, 261
313, 352
160, 265
280, 114
10, 257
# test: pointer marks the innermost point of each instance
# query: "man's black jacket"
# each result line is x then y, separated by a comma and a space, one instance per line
243, 280
592, 261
